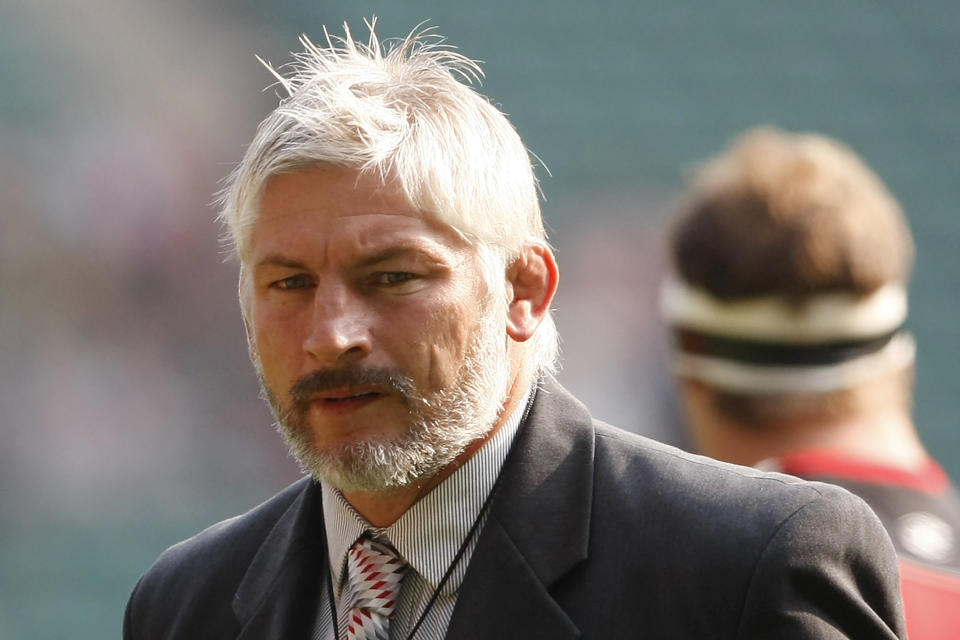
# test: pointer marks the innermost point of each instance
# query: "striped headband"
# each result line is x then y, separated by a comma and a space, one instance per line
770, 345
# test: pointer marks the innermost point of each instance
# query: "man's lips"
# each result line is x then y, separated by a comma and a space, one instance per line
338, 402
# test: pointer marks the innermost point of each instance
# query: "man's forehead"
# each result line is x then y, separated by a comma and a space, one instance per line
330, 189
330, 204
366, 238
369, 250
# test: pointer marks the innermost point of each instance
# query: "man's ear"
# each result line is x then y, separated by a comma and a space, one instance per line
533, 278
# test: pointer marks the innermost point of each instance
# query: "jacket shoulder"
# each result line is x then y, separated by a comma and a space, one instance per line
698, 487
783, 544
202, 573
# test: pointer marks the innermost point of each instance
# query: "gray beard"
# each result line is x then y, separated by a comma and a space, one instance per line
441, 424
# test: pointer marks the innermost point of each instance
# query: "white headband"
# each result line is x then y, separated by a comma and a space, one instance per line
821, 319
826, 317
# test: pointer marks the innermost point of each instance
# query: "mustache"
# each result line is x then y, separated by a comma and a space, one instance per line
325, 379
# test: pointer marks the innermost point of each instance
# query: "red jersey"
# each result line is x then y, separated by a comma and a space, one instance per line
921, 512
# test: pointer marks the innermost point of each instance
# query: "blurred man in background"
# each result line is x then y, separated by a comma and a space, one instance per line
395, 284
787, 304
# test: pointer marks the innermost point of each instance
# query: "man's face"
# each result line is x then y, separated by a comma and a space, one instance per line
378, 344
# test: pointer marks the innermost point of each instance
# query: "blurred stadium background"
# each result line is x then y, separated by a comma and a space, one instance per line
128, 412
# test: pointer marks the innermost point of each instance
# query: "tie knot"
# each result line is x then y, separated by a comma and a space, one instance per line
374, 570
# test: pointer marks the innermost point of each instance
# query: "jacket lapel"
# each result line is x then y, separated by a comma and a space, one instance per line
538, 529
278, 595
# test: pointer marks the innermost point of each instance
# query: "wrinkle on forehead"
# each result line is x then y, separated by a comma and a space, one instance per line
363, 239
338, 192
330, 187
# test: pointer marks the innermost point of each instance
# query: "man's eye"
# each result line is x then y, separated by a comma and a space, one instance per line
293, 282
394, 277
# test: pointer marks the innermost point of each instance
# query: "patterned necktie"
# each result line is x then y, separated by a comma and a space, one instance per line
374, 571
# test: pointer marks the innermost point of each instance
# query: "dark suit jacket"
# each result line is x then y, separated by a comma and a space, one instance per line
594, 533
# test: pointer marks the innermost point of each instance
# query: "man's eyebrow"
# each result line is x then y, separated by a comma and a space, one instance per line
277, 260
401, 251
389, 253
423, 251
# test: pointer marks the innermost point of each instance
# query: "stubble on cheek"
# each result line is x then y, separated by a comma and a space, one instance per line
447, 347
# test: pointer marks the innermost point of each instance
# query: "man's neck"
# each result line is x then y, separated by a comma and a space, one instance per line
884, 437
383, 508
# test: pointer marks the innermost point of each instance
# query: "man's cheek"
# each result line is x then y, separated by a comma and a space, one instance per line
445, 351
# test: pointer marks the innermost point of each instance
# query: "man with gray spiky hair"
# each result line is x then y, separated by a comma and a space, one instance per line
395, 285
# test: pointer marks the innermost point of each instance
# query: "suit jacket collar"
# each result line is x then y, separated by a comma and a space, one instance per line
277, 597
538, 529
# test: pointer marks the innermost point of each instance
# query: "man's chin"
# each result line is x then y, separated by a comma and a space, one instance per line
367, 474
375, 463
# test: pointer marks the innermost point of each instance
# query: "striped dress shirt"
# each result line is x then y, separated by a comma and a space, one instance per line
427, 537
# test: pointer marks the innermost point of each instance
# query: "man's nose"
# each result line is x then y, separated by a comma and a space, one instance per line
340, 328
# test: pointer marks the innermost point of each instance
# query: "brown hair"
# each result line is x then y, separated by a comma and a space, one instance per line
789, 215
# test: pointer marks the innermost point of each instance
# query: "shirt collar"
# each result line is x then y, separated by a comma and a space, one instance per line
431, 531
